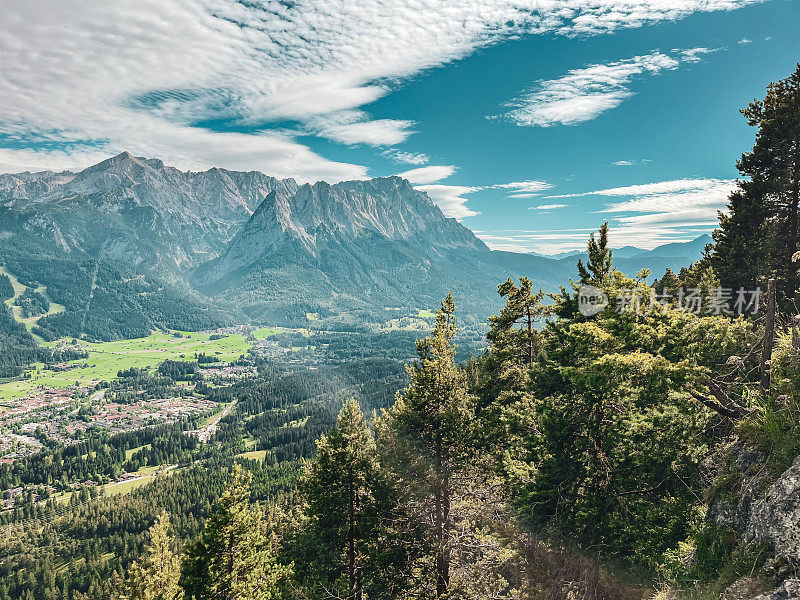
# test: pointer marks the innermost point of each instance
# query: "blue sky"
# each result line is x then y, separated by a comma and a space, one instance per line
531, 122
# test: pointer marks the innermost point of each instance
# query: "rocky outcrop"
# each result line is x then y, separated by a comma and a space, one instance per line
790, 590
763, 511
774, 518
741, 473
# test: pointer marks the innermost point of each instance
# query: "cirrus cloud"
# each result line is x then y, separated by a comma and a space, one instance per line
150, 76
583, 94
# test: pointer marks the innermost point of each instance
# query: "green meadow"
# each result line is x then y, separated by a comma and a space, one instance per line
107, 358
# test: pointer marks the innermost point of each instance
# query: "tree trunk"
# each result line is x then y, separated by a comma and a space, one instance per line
769, 336
442, 527
351, 538
530, 335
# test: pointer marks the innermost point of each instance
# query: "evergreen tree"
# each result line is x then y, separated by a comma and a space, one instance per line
156, 576
429, 429
598, 267
512, 332
235, 559
343, 508
759, 236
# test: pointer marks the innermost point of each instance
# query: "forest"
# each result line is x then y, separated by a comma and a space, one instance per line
584, 454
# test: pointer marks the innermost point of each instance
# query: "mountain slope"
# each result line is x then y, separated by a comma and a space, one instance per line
137, 211
131, 244
115, 242
364, 244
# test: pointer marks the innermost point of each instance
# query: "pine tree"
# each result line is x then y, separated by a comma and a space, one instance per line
430, 428
156, 576
235, 559
759, 236
349, 507
512, 332
598, 266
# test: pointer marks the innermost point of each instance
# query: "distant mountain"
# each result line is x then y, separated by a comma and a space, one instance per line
692, 250
674, 255
352, 245
131, 244
137, 211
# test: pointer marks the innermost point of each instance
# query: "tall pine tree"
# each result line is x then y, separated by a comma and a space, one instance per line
759, 236
347, 543
156, 576
429, 429
235, 559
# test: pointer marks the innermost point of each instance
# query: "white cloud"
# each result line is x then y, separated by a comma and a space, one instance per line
354, 127
583, 94
140, 75
654, 213
693, 55
630, 163
408, 158
532, 185
450, 198
645, 215
548, 206
744, 40
429, 174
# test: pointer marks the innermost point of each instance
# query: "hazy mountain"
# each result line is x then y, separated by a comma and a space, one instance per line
692, 250
371, 243
137, 211
674, 255
166, 245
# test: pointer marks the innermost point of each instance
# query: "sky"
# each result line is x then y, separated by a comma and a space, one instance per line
530, 121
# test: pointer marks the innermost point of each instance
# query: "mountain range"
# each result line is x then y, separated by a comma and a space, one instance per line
132, 240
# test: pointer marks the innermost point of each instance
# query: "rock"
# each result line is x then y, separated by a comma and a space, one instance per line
741, 589
790, 590
747, 466
774, 517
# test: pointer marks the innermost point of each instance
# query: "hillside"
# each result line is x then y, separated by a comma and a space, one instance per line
131, 244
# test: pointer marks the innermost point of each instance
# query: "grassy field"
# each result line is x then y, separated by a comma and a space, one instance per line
264, 332
147, 474
253, 455
131, 451
19, 289
107, 358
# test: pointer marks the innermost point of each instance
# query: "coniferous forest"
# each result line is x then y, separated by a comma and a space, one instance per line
612, 440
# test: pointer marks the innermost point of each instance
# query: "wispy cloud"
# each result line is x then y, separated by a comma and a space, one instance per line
583, 94
654, 213
408, 158
745, 40
524, 189
450, 198
548, 206
429, 174
645, 215
355, 127
630, 163
142, 76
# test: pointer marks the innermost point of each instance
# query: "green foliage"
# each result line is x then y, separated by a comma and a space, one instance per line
774, 427
716, 559
178, 370
6, 288
32, 303
615, 438
598, 267
758, 236
156, 576
429, 434
349, 543
235, 559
